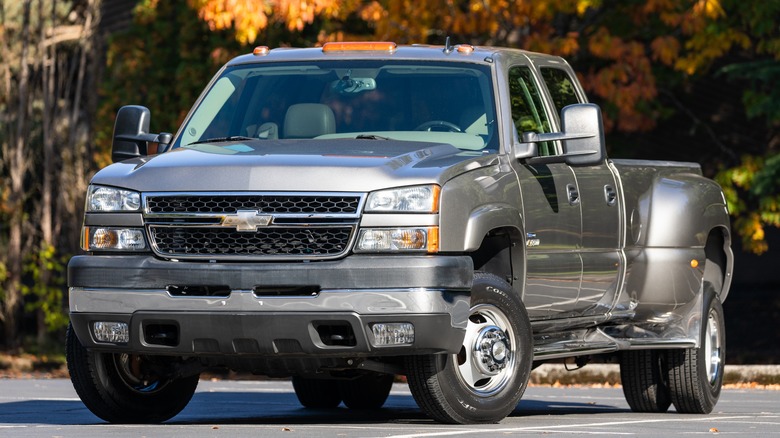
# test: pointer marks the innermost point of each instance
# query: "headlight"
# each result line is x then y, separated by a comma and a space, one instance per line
423, 199
112, 239
101, 198
398, 239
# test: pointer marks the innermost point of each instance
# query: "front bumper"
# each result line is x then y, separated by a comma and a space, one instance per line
431, 292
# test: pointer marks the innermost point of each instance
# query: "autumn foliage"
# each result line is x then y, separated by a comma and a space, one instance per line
643, 61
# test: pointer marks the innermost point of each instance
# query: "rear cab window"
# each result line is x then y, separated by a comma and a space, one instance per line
561, 87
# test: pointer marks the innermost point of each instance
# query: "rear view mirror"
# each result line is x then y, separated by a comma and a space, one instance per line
131, 134
586, 145
582, 137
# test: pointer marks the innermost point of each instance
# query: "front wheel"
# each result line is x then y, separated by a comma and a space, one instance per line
485, 380
127, 388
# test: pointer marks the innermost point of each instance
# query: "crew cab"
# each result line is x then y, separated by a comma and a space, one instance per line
345, 214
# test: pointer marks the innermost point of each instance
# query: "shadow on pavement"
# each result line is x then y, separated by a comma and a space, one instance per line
271, 408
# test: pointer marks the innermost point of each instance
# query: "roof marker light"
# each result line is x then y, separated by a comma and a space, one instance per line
465, 49
360, 46
261, 51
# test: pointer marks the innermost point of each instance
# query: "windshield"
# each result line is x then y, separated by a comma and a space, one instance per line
401, 100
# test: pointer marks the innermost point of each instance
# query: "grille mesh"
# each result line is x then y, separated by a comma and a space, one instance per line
205, 241
265, 204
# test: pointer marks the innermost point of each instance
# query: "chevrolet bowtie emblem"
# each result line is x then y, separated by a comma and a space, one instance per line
246, 220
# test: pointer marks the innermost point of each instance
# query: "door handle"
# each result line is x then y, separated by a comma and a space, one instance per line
610, 195
574, 194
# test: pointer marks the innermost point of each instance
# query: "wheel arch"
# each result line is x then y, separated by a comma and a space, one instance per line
501, 254
719, 264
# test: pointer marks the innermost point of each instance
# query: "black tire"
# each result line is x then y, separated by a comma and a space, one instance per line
696, 374
461, 388
644, 381
317, 393
108, 387
367, 392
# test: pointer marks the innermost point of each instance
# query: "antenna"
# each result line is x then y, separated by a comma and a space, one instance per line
447, 46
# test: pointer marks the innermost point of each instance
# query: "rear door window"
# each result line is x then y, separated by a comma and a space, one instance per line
561, 87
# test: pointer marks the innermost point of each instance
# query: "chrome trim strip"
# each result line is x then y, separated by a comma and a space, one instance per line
399, 220
361, 301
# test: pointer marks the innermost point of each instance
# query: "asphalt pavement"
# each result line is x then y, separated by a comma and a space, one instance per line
222, 408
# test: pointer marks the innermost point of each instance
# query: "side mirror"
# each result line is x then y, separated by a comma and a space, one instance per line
583, 125
582, 137
131, 133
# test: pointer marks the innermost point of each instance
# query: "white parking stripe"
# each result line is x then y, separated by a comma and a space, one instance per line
564, 426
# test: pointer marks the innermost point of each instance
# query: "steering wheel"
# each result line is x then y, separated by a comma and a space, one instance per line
428, 126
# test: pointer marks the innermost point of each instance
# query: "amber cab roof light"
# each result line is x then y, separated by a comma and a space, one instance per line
360, 46
261, 51
465, 49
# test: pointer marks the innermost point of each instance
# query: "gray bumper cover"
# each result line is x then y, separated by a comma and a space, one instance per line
430, 292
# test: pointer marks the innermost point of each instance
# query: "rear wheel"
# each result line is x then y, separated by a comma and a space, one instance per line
696, 374
483, 382
127, 388
367, 392
644, 382
317, 393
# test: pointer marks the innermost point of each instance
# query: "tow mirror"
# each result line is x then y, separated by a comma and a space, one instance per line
582, 137
588, 147
131, 134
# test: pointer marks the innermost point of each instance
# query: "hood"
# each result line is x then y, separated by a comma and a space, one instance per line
339, 165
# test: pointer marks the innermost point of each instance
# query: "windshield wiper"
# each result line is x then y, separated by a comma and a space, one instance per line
223, 139
371, 137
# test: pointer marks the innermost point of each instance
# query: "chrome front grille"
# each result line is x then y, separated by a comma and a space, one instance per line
212, 226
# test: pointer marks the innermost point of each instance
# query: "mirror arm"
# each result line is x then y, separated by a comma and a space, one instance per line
547, 159
140, 137
163, 138
534, 137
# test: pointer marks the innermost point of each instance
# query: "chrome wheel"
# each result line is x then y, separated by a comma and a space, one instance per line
713, 348
483, 382
695, 375
486, 361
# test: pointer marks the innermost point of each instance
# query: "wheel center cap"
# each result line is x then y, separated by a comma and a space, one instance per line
492, 350
499, 351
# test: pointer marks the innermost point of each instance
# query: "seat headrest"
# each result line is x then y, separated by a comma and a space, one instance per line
308, 120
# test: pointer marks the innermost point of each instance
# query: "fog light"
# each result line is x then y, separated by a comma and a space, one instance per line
113, 332
392, 333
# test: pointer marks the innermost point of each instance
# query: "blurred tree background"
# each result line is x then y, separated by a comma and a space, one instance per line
691, 80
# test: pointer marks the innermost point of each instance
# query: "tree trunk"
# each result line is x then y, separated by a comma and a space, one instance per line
48, 53
17, 164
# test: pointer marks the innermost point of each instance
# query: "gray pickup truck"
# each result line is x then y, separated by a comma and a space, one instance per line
345, 214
